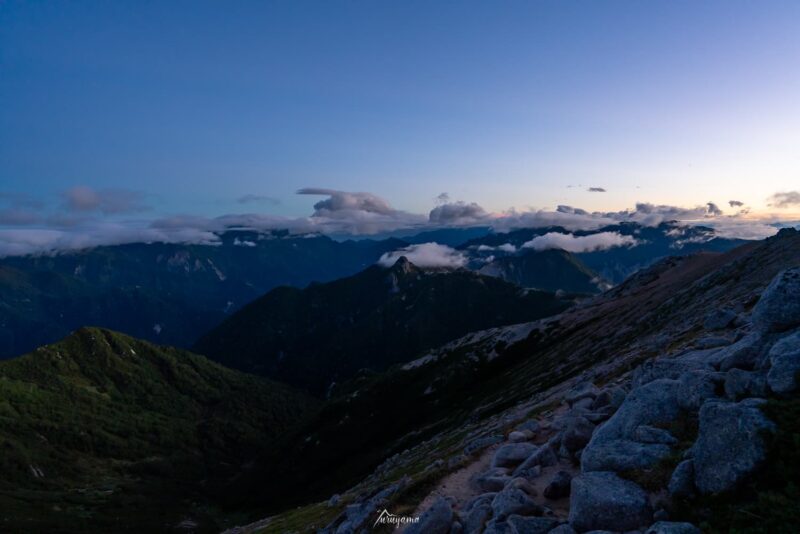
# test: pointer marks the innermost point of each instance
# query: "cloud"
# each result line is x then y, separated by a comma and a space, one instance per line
357, 213
426, 255
84, 199
505, 247
785, 200
735, 203
257, 199
442, 198
457, 213
596, 190
572, 243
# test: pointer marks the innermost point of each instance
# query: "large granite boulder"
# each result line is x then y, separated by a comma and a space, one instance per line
729, 444
602, 500
512, 454
435, 520
784, 358
778, 309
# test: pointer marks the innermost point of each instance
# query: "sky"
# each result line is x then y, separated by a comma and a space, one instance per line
118, 112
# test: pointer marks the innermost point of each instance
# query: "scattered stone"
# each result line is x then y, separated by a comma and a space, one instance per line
514, 501
696, 386
681, 484
512, 454
544, 457
577, 434
581, 391
478, 511
778, 309
729, 445
559, 486
529, 473
667, 527
743, 354
740, 384
651, 434
621, 455
522, 484
784, 358
518, 436
531, 525
719, 319
494, 479
602, 500
435, 520
613, 397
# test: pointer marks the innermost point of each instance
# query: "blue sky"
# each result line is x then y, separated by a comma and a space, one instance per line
192, 105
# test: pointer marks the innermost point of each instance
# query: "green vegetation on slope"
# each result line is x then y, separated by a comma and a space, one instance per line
102, 432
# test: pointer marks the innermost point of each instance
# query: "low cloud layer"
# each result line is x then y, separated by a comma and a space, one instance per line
426, 255
573, 243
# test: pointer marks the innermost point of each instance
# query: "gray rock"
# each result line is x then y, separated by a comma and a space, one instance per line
577, 434
531, 425
456, 528
729, 444
743, 354
518, 436
719, 319
334, 500
681, 483
435, 520
778, 309
741, 384
651, 434
602, 500
668, 527
660, 515
531, 525
476, 518
621, 455
529, 473
563, 529
581, 391
712, 342
668, 368
696, 386
497, 526
613, 397
784, 358
514, 501
559, 486
544, 457
355, 516
512, 454
583, 404
492, 480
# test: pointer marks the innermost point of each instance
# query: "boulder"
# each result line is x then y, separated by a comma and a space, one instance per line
712, 342
532, 425
544, 457
531, 525
669, 527
602, 500
719, 319
696, 386
778, 309
577, 434
514, 501
729, 444
491, 480
621, 455
667, 368
651, 434
563, 529
784, 358
512, 454
518, 436
476, 518
743, 354
435, 520
681, 483
559, 486
581, 391
613, 397
741, 384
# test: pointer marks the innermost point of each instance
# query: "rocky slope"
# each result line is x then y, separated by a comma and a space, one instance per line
101, 432
324, 334
666, 405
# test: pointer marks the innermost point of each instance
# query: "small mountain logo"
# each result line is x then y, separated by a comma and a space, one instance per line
387, 518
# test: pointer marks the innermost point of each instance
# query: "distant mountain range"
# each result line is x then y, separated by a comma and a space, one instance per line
167, 293
548, 270
325, 333
101, 432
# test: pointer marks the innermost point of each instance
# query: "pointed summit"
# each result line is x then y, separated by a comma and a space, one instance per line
402, 265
